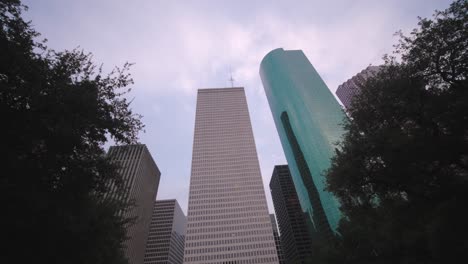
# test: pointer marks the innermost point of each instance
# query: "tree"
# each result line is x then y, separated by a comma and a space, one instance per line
57, 111
401, 171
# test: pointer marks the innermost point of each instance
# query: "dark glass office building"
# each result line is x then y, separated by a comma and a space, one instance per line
276, 235
308, 120
295, 239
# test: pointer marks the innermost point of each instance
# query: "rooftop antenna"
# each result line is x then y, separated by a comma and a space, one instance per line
231, 79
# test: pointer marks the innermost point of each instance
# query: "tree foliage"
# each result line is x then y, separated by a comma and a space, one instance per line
401, 172
57, 111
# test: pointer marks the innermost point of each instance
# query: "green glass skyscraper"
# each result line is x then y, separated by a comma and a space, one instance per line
308, 119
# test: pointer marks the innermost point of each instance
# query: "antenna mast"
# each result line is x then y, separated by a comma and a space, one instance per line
231, 79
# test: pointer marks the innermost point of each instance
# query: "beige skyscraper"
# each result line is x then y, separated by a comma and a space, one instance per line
228, 220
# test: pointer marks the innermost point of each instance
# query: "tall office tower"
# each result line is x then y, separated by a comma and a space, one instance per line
351, 87
228, 219
141, 180
307, 118
276, 235
295, 240
165, 244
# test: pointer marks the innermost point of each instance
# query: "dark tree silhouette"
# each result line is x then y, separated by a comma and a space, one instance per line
401, 172
57, 110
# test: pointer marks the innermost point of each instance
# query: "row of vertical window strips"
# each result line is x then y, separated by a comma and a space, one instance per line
140, 178
128, 157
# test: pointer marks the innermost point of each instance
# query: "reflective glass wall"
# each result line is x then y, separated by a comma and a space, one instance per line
308, 120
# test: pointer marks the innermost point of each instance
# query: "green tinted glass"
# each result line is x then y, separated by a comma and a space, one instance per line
308, 130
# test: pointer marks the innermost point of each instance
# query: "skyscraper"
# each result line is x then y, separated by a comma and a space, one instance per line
141, 180
165, 244
347, 90
307, 118
228, 219
295, 240
276, 235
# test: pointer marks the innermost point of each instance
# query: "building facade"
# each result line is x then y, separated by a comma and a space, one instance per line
166, 238
295, 239
347, 90
276, 235
140, 176
228, 220
308, 120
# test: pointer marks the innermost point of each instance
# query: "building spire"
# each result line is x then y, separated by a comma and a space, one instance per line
231, 79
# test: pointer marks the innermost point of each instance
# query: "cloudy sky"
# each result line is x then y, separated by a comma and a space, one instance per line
180, 46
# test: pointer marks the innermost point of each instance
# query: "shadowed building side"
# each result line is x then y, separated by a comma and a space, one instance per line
294, 235
276, 234
321, 224
141, 180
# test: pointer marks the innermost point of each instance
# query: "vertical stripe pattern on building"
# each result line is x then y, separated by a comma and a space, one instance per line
228, 220
141, 180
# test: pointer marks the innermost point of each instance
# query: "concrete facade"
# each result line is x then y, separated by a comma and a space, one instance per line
228, 220
166, 238
141, 177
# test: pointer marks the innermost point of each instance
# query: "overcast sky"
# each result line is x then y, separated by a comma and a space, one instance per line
180, 46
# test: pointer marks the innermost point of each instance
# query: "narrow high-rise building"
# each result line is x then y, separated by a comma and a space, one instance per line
295, 239
347, 90
165, 244
276, 235
228, 220
308, 120
141, 180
